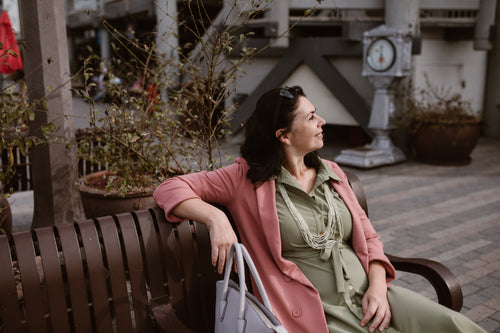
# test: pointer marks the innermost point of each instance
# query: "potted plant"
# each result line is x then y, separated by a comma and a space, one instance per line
15, 114
443, 127
173, 116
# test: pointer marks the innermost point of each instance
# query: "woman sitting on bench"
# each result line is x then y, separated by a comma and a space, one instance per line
320, 259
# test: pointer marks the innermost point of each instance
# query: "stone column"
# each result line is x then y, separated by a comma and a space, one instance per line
403, 15
105, 45
278, 14
166, 27
167, 42
491, 115
54, 167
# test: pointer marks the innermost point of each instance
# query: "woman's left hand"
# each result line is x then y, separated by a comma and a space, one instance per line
376, 307
375, 304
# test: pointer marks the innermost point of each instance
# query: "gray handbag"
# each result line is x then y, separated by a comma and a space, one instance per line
236, 309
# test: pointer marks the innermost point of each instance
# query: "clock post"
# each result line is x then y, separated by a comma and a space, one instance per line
386, 58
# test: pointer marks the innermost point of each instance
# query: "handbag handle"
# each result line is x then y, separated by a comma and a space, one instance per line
240, 252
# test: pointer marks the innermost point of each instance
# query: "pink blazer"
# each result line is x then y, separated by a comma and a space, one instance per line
295, 301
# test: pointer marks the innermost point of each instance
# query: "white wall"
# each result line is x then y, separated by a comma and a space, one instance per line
12, 8
327, 104
252, 74
452, 65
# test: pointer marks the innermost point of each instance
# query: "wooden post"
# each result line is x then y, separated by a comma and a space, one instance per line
491, 113
54, 167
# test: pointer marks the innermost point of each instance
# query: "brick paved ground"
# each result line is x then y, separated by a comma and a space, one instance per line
449, 214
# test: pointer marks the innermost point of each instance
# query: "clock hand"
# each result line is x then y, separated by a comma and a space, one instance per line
381, 58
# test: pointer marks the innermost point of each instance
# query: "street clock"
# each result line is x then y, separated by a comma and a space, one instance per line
386, 52
380, 54
386, 58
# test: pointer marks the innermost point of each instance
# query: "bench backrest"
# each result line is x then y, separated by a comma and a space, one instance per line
98, 276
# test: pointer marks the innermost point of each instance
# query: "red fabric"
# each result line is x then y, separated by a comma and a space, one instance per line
294, 299
8, 62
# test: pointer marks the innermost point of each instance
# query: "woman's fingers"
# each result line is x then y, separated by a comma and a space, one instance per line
369, 312
380, 319
222, 238
386, 322
222, 261
377, 311
215, 255
377, 321
219, 255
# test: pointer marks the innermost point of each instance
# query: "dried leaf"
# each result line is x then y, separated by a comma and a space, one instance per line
11, 157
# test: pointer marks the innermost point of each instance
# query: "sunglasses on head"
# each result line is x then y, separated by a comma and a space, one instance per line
285, 92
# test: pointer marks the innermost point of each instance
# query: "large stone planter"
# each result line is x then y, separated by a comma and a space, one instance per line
97, 202
446, 143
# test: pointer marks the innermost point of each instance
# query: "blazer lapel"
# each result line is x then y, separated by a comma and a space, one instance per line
268, 217
268, 221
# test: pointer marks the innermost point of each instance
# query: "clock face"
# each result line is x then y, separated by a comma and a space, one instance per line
381, 55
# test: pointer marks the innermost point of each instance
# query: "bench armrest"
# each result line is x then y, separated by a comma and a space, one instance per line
447, 288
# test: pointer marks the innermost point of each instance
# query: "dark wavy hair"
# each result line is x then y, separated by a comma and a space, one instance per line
261, 149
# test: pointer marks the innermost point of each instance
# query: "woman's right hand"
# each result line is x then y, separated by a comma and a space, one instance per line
221, 232
222, 236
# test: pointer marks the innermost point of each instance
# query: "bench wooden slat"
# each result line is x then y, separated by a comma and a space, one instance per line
185, 239
9, 304
32, 291
194, 275
135, 266
56, 297
194, 278
151, 254
172, 263
113, 248
172, 259
185, 276
97, 276
203, 276
73, 262
192, 299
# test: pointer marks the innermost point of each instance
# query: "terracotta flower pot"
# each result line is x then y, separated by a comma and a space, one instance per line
98, 202
446, 143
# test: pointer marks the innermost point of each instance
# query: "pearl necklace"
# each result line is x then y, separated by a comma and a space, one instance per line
324, 240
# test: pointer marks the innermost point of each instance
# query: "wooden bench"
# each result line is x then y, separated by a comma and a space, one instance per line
101, 275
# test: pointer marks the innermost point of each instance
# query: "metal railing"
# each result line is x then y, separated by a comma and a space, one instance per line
21, 179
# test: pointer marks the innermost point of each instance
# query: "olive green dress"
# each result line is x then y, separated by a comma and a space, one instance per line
338, 274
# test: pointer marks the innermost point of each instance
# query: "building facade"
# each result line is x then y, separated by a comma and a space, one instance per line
453, 46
